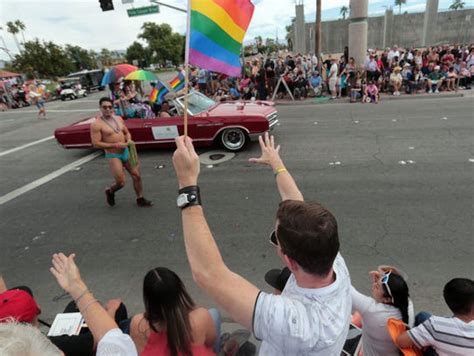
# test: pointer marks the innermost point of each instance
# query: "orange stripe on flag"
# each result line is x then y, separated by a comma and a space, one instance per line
240, 11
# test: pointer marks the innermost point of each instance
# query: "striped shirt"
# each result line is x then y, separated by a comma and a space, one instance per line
448, 336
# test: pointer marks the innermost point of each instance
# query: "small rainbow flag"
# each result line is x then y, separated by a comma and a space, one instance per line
215, 34
158, 93
178, 83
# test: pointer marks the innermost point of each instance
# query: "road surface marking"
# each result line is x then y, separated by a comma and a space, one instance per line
39, 182
4, 153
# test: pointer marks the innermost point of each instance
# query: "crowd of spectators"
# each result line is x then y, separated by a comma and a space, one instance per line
310, 312
390, 71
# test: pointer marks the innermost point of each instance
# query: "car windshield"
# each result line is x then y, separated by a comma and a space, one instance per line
197, 102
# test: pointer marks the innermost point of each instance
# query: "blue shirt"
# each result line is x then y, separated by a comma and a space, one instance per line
315, 81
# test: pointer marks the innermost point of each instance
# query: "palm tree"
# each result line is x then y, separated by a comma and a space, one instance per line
344, 11
399, 3
457, 4
13, 29
5, 48
21, 27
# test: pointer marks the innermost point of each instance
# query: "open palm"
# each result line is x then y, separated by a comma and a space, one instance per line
270, 153
65, 270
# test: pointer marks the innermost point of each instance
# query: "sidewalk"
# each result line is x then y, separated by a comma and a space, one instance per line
383, 97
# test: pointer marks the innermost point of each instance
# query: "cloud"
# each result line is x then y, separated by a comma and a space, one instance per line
82, 22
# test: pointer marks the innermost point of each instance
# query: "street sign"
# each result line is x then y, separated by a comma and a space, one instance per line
139, 11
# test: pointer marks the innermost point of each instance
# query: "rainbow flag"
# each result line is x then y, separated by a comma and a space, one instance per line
178, 83
216, 32
158, 93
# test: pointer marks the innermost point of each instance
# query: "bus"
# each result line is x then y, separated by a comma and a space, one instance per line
90, 79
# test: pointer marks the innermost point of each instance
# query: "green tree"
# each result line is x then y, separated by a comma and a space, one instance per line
344, 10
399, 3
13, 29
81, 58
45, 59
457, 4
137, 52
163, 43
105, 56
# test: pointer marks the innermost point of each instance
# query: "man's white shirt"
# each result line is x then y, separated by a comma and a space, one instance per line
305, 321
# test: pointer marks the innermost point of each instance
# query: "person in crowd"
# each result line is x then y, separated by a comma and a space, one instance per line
165, 108
109, 338
172, 324
371, 93
18, 305
390, 299
435, 80
356, 86
37, 99
332, 78
315, 84
25, 340
465, 76
451, 79
394, 53
317, 294
202, 80
234, 92
110, 133
300, 86
453, 336
372, 69
396, 81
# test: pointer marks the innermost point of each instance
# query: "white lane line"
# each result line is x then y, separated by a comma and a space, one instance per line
54, 110
4, 153
35, 184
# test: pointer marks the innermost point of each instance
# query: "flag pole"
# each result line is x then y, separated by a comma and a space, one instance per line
186, 68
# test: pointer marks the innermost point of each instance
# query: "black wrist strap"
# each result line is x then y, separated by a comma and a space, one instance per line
189, 189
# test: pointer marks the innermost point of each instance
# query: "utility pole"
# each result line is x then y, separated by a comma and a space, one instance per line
317, 32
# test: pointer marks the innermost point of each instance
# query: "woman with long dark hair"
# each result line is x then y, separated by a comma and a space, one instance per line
390, 299
171, 324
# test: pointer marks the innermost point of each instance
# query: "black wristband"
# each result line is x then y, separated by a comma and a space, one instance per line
188, 189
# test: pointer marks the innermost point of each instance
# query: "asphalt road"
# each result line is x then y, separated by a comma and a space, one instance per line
417, 215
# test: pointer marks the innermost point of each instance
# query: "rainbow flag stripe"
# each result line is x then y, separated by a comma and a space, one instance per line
178, 83
217, 30
158, 93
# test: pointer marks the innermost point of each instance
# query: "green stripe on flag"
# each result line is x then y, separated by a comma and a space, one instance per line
206, 26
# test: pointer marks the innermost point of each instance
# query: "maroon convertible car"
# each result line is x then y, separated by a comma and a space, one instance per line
230, 124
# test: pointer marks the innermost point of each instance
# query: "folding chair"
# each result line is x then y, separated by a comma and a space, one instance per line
353, 344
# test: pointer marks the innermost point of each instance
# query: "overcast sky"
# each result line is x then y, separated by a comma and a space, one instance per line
82, 22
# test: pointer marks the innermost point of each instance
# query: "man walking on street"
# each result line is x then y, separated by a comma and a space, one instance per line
311, 316
109, 133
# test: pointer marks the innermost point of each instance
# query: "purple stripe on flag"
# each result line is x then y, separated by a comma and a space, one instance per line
201, 60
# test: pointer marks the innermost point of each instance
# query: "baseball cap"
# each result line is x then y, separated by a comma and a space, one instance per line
19, 305
277, 278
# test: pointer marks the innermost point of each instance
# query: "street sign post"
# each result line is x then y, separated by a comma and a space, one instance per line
146, 10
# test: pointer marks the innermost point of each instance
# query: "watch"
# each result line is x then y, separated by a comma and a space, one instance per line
188, 196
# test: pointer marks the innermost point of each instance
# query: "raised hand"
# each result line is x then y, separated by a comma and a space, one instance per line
186, 162
270, 154
66, 273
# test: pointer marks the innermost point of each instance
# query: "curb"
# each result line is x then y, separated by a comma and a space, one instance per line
382, 99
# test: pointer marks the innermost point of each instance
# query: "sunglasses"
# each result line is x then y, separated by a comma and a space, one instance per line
384, 281
106, 107
273, 238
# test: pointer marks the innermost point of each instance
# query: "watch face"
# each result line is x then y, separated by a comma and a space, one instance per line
182, 200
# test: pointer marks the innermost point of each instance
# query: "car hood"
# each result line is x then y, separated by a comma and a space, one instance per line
248, 108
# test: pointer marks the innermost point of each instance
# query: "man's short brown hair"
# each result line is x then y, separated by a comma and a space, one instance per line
307, 233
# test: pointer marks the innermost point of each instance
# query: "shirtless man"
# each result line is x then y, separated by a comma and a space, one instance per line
110, 133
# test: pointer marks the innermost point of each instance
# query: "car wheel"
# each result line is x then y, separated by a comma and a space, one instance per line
234, 139
63, 98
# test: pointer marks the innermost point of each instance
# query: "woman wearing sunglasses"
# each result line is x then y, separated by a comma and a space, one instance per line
390, 299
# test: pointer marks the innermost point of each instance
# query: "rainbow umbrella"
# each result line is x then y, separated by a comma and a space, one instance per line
141, 75
117, 72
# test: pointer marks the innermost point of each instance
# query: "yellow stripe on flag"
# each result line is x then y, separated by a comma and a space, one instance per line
217, 14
